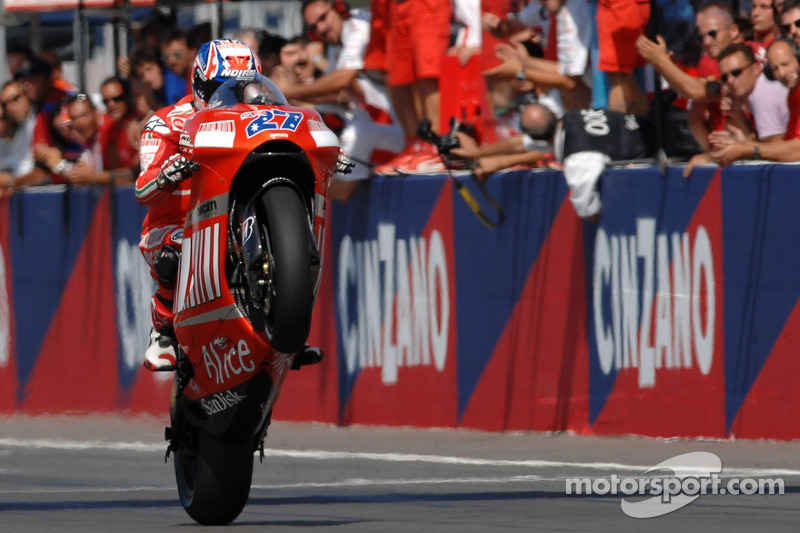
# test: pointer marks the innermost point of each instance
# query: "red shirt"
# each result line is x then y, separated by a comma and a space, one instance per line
118, 151
43, 134
793, 127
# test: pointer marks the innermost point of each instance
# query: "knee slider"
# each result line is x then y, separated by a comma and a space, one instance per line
166, 266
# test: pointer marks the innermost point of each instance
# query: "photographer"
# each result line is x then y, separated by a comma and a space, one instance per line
536, 120
585, 141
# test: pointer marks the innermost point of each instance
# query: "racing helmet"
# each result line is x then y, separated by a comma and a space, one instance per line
218, 61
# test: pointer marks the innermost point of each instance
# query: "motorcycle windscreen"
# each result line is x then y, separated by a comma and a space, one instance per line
254, 89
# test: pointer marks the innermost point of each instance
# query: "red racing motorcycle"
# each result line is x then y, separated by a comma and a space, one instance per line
249, 273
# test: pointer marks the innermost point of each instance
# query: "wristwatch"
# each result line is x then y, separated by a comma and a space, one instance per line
521, 76
61, 167
756, 152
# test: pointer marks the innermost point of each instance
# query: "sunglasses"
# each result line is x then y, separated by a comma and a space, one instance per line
735, 73
786, 27
710, 34
12, 100
119, 99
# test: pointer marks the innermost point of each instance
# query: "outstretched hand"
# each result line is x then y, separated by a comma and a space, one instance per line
652, 51
510, 63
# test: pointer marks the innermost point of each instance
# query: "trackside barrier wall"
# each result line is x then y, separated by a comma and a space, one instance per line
675, 315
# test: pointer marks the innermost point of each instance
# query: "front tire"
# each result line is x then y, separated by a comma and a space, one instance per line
214, 483
289, 319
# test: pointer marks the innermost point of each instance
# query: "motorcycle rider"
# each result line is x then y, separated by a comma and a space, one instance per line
164, 184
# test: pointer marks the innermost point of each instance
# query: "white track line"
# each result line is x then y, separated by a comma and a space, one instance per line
360, 482
88, 490
354, 482
324, 455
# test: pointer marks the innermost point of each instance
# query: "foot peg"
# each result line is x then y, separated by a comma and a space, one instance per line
310, 356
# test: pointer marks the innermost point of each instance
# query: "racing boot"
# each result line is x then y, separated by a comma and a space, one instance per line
310, 355
161, 355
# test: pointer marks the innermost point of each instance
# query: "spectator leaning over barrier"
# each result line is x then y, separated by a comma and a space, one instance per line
750, 102
369, 129
534, 146
583, 140
84, 127
790, 20
783, 65
565, 65
16, 153
53, 141
717, 30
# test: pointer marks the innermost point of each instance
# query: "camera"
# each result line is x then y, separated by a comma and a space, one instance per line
445, 143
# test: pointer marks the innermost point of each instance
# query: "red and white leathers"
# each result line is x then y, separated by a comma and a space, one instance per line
163, 225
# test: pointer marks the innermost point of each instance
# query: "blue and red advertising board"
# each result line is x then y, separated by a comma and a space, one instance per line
674, 315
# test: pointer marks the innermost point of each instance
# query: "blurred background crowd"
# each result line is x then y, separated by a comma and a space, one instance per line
718, 80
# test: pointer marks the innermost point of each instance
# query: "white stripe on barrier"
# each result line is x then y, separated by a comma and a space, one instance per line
325, 455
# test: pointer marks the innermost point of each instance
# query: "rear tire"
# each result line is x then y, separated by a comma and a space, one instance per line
289, 320
214, 483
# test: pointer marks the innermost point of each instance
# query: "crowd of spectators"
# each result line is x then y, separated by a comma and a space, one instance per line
374, 76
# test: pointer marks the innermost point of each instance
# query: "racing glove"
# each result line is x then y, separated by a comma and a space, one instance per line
174, 170
344, 165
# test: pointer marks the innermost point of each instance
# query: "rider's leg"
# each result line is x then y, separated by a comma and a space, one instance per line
163, 256
162, 353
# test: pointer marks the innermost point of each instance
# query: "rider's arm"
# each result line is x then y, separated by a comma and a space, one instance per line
154, 149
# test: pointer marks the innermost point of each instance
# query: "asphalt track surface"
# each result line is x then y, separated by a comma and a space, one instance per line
108, 474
